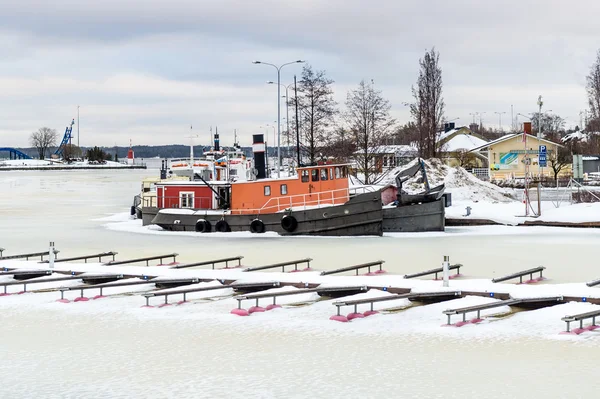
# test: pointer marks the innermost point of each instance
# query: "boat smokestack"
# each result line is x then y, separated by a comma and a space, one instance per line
258, 149
217, 139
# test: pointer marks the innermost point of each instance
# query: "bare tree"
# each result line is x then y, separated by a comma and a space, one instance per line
593, 88
428, 108
317, 110
551, 123
368, 118
465, 158
340, 144
43, 139
560, 160
71, 152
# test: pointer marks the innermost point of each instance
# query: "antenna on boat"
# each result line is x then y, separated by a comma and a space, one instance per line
192, 137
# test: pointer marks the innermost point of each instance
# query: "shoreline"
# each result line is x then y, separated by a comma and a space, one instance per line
453, 222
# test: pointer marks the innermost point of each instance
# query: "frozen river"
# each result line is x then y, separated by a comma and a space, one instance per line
98, 351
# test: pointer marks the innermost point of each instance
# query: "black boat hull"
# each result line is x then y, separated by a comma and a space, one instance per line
360, 216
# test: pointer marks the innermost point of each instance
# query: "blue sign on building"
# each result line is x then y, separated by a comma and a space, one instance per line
542, 156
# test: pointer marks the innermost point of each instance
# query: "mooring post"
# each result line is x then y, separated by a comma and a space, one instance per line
448, 319
338, 310
520, 279
465, 316
581, 323
568, 326
100, 291
239, 303
82, 292
24, 287
184, 299
256, 302
166, 298
147, 301
446, 269
62, 294
593, 320
50, 256
274, 300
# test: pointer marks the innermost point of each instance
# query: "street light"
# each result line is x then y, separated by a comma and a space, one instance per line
287, 109
278, 68
78, 126
499, 119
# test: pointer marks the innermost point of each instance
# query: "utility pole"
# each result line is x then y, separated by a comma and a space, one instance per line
297, 123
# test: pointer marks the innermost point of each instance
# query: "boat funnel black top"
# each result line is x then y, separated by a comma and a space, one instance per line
217, 148
258, 149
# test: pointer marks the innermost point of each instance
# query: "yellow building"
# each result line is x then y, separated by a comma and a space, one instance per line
507, 156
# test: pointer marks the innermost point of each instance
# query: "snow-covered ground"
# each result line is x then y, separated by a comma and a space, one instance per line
488, 201
37, 163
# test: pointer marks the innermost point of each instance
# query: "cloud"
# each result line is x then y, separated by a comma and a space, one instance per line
147, 69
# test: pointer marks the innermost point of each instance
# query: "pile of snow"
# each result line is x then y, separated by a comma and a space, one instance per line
463, 185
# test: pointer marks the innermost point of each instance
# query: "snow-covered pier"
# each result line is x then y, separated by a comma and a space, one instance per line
285, 291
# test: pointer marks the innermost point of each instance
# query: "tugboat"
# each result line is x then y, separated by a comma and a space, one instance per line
316, 201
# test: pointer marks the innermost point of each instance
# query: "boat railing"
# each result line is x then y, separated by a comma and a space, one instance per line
300, 202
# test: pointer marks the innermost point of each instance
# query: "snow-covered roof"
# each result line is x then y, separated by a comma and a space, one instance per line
396, 149
580, 135
511, 136
443, 135
463, 142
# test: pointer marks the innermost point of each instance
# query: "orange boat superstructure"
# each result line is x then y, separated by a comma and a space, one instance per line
313, 186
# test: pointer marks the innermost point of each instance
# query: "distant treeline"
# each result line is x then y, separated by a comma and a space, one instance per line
162, 151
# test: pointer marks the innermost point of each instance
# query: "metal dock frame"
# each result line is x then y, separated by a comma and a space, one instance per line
355, 267
211, 262
282, 265
520, 274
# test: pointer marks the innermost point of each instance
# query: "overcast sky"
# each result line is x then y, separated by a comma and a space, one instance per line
146, 70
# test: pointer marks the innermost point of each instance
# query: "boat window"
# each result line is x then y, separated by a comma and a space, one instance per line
304, 176
344, 171
324, 174
330, 173
186, 200
283, 189
267, 190
315, 174
337, 172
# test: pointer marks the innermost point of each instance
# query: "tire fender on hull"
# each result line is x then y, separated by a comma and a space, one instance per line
203, 226
257, 226
222, 226
289, 223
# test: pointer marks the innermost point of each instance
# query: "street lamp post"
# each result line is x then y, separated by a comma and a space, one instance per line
78, 126
499, 119
287, 110
278, 68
